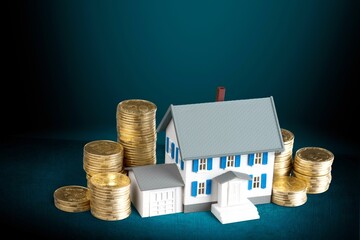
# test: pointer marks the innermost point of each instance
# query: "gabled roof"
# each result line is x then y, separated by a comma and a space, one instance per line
217, 129
230, 175
157, 176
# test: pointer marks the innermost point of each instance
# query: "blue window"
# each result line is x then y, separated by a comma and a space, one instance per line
167, 144
209, 163
177, 155
250, 182
237, 160
223, 162
208, 186
194, 188
195, 165
265, 158
182, 164
263, 180
172, 150
251, 159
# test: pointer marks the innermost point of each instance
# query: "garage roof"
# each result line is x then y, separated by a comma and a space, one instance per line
158, 176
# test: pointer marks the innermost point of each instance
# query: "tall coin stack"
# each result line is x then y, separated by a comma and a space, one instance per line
283, 160
313, 164
110, 196
102, 156
136, 131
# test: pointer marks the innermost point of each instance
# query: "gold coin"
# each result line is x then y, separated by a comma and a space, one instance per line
110, 180
315, 154
72, 194
288, 184
136, 106
103, 147
287, 135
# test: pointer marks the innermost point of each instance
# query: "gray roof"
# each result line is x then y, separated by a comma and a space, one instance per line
230, 175
216, 129
157, 176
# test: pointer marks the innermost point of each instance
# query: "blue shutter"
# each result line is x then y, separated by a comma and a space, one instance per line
251, 159
194, 188
223, 162
208, 186
264, 158
167, 144
195, 166
263, 180
177, 155
172, 150
209, 163
250, 182
237, 161
182, 164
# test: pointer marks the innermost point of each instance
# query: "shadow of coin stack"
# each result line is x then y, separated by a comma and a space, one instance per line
283, 160
136, 131
313, 165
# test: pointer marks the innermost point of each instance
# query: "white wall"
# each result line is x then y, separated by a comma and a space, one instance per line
170, 132
188, 175
216, 171
136, 195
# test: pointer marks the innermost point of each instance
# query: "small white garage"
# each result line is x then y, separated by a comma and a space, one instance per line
156, 189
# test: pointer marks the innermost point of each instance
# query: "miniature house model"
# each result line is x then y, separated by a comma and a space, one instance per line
219, 156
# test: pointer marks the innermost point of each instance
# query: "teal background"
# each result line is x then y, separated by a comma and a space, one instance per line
69, 63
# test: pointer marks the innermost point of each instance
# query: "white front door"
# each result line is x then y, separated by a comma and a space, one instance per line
162, 202
234, 193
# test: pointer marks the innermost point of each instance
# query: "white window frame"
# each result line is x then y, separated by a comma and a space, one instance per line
256, 182
202, 164
258, 158
230, 161
201, 189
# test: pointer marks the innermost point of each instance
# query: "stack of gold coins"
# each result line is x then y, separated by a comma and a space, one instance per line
283, 160
72, 198
136, 131
313, 164
102, 156
110, 196
288, 191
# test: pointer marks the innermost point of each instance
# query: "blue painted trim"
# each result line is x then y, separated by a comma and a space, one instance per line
237, 160
172, 150
209, 163
208, 187
195, 165
251, 159
250, 182
177, 155
223, 162
263, 180
194, 188
264, 158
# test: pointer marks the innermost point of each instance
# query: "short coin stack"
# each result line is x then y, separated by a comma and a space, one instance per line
110, 196
136, 130
283, 160
313, 164
288, 191
72, 198
102, 156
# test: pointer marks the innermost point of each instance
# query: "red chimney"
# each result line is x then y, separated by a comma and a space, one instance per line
220, 94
